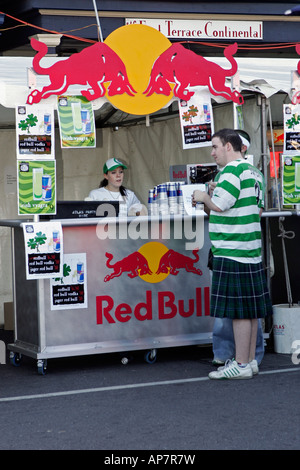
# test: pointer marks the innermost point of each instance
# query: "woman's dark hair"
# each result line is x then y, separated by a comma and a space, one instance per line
104, 183
229, 135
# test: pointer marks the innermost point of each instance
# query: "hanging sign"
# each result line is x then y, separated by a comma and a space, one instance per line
70, 290
76, 122
196, 120
203, 29
35, 132
291, 179
291, 122
137, 69
36, 187
43, 249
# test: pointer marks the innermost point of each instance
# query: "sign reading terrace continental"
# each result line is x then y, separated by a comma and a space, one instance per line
204, 29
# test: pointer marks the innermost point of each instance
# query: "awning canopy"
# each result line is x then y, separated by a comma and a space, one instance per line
257, 75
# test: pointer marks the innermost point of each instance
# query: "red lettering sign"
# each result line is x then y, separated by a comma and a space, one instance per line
168, 306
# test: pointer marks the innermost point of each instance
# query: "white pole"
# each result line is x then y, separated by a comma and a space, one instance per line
98, 22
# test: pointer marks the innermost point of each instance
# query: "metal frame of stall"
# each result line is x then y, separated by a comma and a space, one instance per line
41, 351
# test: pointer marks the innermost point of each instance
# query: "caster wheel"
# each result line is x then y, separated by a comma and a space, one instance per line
150, 356
42, 366
15, 359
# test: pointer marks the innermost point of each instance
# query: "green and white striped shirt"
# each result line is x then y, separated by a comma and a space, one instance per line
235, 232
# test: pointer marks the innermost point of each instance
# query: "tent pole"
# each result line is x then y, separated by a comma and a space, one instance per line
263, 108
264, 147
98, 22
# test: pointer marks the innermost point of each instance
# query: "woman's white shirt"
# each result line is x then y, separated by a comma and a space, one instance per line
130, 200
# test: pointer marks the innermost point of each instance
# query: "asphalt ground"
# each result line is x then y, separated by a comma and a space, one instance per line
171, 406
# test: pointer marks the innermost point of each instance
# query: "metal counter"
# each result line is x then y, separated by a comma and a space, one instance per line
146, 289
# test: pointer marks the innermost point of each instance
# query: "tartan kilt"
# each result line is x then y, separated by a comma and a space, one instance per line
239, 290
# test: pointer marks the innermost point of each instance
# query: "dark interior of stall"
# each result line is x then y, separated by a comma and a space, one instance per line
292, 248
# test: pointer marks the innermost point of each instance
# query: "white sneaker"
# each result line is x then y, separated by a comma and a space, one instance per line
254, 366
232, 370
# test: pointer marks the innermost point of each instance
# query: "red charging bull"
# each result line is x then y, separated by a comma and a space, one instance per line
46, 188
90, 66
185, 69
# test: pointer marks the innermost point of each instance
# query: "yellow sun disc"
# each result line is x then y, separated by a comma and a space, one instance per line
153, 252
138, 46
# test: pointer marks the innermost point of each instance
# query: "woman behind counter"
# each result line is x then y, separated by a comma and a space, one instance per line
111, 189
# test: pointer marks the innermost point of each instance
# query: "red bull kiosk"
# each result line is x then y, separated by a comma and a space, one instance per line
138, 283
142, 284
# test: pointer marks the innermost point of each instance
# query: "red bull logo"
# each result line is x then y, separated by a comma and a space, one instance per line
134, 264
166, 305
184, 68
94, 66
153, 262
137, 69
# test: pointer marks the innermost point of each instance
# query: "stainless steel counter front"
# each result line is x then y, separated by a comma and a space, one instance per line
147, 288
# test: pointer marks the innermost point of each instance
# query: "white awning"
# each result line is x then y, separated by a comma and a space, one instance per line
260, 75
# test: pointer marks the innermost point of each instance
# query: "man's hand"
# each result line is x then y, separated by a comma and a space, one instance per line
202, 196
198, 196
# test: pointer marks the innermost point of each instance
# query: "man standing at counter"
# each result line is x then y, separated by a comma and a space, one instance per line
239, 289
223, 339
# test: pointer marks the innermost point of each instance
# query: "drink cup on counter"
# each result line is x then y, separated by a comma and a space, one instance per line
150, 201
155, 203
162, 191
181, 208
163, 204
173, 203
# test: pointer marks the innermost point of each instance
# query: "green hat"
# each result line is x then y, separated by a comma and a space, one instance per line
112, 164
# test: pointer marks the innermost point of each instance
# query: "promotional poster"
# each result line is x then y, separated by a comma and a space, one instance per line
76, 122
36, 187
35, 131
291, 179
70, 290
43, 249
196, 120
291, 122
